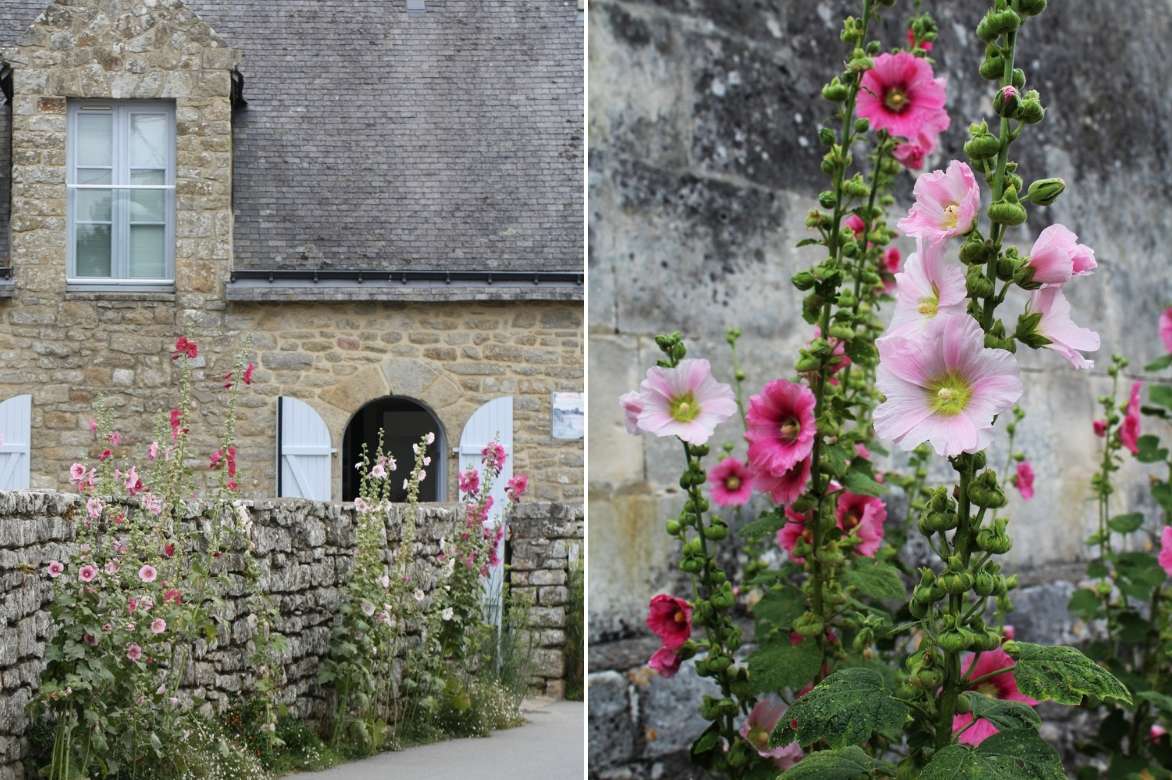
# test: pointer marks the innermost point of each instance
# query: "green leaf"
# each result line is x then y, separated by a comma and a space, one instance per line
844, 709
1159, 364
837, 458
1162, 493
1097, 570
1139, 574
767, 524
1161, 395
1161, 701
703, 749
1085, 604
1125, 524
1149, 450
781, 665
1005, 715
780, 608
862, 483
1008, 755
849, 763
807, 242
1061, 673
879, 581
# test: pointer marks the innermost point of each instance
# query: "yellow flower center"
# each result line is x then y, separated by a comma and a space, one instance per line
732, 483
951, 215
680, 617
759, 738
790, 429
684, 408
851, 519
949, 395
989, 689
930, 304
896, 99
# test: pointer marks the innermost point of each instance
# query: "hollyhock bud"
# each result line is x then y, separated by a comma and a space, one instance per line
835, 91
1008, 210
1044, 192
993, 65
1031, 110
1006, 101
1031, 7
982, 145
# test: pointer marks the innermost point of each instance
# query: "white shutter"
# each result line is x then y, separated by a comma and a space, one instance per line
15, 428
491, 422
305, 462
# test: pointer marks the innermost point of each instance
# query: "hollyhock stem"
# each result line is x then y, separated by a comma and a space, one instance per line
999, 176
846, 139
953, 682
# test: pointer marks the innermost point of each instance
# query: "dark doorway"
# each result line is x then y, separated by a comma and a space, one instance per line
403, 422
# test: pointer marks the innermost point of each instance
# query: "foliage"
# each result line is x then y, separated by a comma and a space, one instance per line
575, 648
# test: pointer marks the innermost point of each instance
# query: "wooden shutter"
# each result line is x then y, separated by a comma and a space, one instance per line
304, 452
15, 429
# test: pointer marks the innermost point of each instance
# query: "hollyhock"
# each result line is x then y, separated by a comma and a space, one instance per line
1166, 328
730, 483
1166, 550
1001, 686
670, 619
944, 386
493, 455
87, 573
361, 506
111, 567
169, 550
1099, 427
1129, 430
1057, 256
946, 204
93, 508
93, 426
901, 95
106, 455
912, 153
787, 487
158, 626
865, 515
378, 471
470, 481
153, 450
77, 473
685, 401
780, 426
1024, 480
632, 404
248, 371
55, 569
665, 661
133, 483
757, 728
148, 573
153, 504
133, 652
1156, 732
183, 346
115, 438
856, 225
517, 486
913, 42
231, 460
929, 286
1064, 337
176, 423
794, 529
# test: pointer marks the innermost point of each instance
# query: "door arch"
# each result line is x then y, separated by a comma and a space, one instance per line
403, 421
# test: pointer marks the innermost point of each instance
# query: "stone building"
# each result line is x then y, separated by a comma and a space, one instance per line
380, 200
704, 161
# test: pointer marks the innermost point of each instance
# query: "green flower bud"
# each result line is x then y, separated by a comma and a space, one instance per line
1008, 210
977, 284
716, 531
1006, 268
812, 308
1018, 78
1006, 101
917, 608
964, 703
835, 91
803, 280
1013, 180
993, 65
927, 679
985, 584
1005, 21
691, 565
844, 332
974, 251
986, 491
956, 584
827, 200
953, 641
1031, 111
1031, 7
673, 527
862, 125
808, 624
987, 28
982, 146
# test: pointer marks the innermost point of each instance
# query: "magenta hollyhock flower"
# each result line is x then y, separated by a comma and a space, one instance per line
470, 482
1129, 430
763, 718
911, 41
730, 482
794, 529
77, 473
93, 508
148, 573
1166, 550
912, 153
929, 286
1099, 427
1166, 328
55, 569
517, 486
944, 386
632, 404
1156, 732
87, 573
158, 626
1001, 686
787, 487
1056, 256
780, 426
856, 225
1024, 480
153, 450
685, 401
133, 651
946, 204
670, 619
665, 661
864, 515
901, 95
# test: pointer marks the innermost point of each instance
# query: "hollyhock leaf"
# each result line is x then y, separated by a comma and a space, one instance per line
860, 482
848, 763
1133, 629
1161, 394
1162, 493
844, 709
807, 242
780, 608
1125, 524
703, 749
876, 580
1006, 715
1161, 701
1085, 604
1159, 364
1006, 755
837, 458
767, 524
1063, 674
1155, 411
1150, 450
782, 664
1139, 574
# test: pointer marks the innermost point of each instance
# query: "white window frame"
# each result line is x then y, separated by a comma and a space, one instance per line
121, 112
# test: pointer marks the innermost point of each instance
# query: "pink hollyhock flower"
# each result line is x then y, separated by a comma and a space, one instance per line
77, 473
856, 225
912, 153
632, 404
470, 481
944, 386
787, 487
730, 482
148, 573
89, 639
1099, 427
1002, 686
763, 718
670, 619
1024, 480
55, 569
901, 95
1166, 328
248, 371
106, 455
153, 504
1129, 430
111, 567
780, 426
93, 426
665, 661
115, 438
685, 401
93, 508
176, 423
378, 471
946, 204
172, 596
929, 286
892, 259
1165, 558
794, 529
361, 506
215, 459
133, 483
517, 486
865, 515
133, 652
862, 451
183, 346
1156, 732
158, 626
87, 573
1066, 338
912, 42
153, 450
1057, 256
169, 550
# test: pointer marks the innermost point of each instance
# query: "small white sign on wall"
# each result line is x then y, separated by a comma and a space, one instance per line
569, 416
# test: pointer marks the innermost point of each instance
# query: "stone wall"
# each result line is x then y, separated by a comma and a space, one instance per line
305, 551
704, 162
544, 546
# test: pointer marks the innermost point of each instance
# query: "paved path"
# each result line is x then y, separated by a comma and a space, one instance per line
548, 747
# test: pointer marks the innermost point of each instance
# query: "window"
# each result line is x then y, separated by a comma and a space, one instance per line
121, 193
403, 422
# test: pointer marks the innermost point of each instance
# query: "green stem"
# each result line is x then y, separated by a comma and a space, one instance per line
999, 180
953, 681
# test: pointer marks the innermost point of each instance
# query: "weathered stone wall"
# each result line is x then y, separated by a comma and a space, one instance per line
545, 543
704, 162
305, 550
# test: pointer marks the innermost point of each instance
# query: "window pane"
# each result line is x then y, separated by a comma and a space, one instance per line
95, 139
148, 141
148, 177
147, 206
93, 251
93, 176
148, 255
93, 205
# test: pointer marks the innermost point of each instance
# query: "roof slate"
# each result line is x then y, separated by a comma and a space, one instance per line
375, 139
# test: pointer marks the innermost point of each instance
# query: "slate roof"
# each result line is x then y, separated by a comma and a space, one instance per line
375, 139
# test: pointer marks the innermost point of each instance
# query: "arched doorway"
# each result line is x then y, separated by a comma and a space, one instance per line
403, 422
